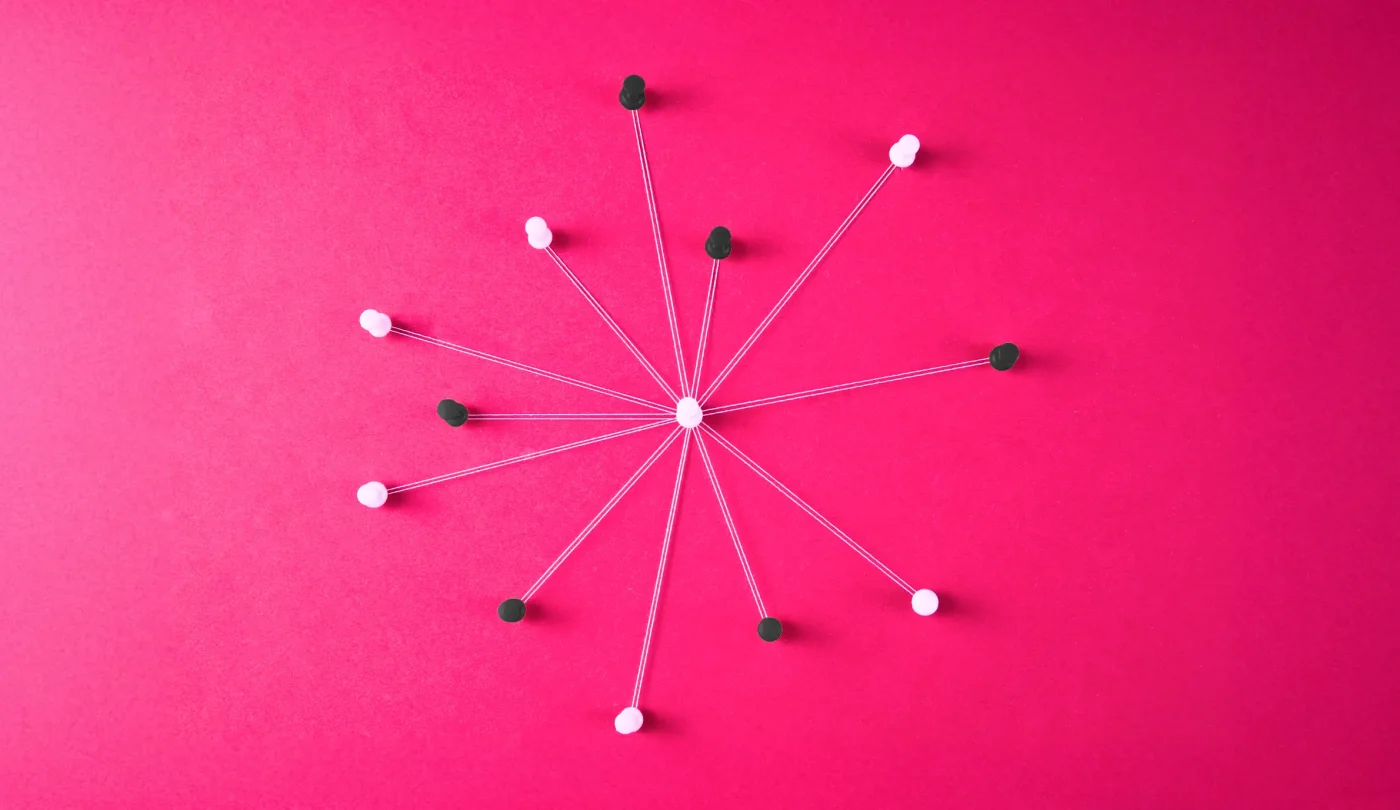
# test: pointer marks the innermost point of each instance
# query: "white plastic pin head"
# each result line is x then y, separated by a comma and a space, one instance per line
375, 322
903, 151
688, 413
628, 721
538, 232
373, 494
925, 602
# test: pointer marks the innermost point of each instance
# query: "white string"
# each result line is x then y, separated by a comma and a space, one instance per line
729, 522
811, 267
530, 369
598, 518
660, 254
438, 479
660, 572
561, 417
617, 330
705, 325
851, 386
817, 516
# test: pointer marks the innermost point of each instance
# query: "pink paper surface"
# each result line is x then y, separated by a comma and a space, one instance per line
1166, 542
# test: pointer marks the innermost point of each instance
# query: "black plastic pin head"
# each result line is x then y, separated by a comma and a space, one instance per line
769, 629
511, 610
634, 92
719, 244
452, 412
1004, 356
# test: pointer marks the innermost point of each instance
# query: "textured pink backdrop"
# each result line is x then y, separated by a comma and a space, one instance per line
1164, 541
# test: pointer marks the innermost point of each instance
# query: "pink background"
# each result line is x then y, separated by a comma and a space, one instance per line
1164, 543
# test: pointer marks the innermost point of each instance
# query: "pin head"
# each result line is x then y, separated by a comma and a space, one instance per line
688, 413
373, 494
634, 92
511, 610
718, 244
769, 629
628, 721
925, 602
1004, 356
375, 322
452, 412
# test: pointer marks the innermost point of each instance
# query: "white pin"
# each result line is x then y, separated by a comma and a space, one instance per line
903, 151
538, 233
628, 721
689, 413
375, 322
373, 494
925, 602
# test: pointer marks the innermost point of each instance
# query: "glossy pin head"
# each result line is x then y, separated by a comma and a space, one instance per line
511, 610
634, 92
628, 721
452, 412
688, 413
925, 602
770, 629
719, 243
1004, 356
375, 322
538, 234
903, 152
373, 494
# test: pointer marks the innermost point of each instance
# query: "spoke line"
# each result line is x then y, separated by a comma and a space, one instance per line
598, 518
612, 324
801, 278
804, 506
438, 479
660, 253
660, 572
729, 523
491, 358
851, 386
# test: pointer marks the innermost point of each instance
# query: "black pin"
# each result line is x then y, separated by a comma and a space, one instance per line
769, 629
452, 412
511, 610
1004, 356
719, 244
634, 92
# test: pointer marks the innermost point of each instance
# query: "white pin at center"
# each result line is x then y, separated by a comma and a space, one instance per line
688, 413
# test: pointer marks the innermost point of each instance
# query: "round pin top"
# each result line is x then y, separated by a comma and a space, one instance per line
769, 629
718, 244
634, 92
452, 412
1004, 356
511, 610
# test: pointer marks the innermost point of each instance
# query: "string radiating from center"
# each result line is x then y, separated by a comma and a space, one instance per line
802, 277
612, 324
598, 518
660, 254
491, 358
850, 386
438, 479
705, 325
804, 506
729, 523
660, 572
